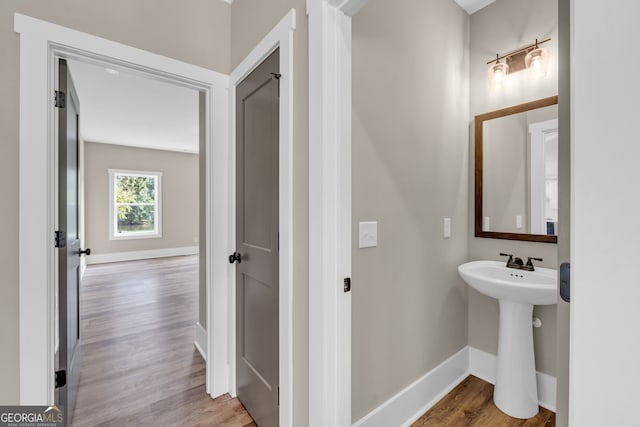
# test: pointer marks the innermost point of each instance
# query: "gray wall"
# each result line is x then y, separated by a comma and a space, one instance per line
410, 167
250, 22
179, 196
499, 28
199, 34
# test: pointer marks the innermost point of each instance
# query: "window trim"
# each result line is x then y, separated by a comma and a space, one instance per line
157, 233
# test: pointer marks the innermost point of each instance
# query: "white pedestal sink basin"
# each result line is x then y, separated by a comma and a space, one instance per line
517, 291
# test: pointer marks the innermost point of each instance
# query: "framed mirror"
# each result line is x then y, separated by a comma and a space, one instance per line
516, 172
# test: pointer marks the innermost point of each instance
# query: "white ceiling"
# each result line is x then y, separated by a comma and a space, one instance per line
133, 109
128, 108
472, 6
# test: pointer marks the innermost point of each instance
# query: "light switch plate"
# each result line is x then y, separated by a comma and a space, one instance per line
487, 224
518, 222
368, 234
447, 228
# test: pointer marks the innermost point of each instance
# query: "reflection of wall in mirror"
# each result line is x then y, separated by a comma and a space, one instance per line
507, 175
504, 173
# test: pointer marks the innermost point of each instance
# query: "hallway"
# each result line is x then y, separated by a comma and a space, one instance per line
139, 364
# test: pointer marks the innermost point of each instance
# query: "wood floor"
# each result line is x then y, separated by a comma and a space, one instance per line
140, 368
139, 364
471, 404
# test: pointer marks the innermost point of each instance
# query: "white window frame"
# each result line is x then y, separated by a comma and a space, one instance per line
113, 227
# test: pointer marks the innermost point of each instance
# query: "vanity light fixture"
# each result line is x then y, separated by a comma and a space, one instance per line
533, 57
537, 62
497, 74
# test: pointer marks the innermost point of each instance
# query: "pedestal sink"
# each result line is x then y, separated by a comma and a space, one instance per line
517, 291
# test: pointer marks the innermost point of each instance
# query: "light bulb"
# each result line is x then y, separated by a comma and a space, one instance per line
537, 63
497, 76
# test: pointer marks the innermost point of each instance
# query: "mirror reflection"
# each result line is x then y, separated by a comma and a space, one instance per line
517, 153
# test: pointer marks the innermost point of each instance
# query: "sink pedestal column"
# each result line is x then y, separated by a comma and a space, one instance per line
516, 392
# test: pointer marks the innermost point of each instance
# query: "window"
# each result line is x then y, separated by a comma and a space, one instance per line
135, 208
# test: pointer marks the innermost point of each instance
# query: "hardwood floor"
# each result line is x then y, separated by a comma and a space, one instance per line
471, 404
139, 364
140, 368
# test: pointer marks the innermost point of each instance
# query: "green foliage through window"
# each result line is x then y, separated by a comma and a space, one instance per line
135, 203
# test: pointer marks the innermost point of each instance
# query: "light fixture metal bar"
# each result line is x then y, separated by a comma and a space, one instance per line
518, 51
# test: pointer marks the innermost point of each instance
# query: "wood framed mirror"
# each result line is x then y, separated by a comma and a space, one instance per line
516, 172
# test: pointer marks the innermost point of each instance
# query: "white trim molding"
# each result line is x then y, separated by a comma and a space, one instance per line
484, 366
416, 399
281, 36
137, 255
539, 134
411, 403
201, 341
41, 43
330, 210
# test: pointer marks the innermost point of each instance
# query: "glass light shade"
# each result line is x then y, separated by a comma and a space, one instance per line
497, 76
537, 63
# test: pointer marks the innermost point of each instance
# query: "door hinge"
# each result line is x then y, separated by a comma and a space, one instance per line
277, 76
60, 239
60, 99
61, 378
278, 398
347, 284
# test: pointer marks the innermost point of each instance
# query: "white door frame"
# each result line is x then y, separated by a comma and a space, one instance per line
538, 133
330, 210
40, 43
281, 36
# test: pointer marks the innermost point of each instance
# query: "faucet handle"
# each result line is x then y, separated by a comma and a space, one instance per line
530, 264
510, 260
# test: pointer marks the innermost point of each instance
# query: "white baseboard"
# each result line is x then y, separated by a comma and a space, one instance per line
483, 365
135, 255
407, 406
201, 340
411, 403
547, 387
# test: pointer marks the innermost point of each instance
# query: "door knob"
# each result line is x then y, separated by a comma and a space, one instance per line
85, 252
235, 257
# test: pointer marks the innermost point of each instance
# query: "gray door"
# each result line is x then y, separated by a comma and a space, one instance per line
257, 242
69, 251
